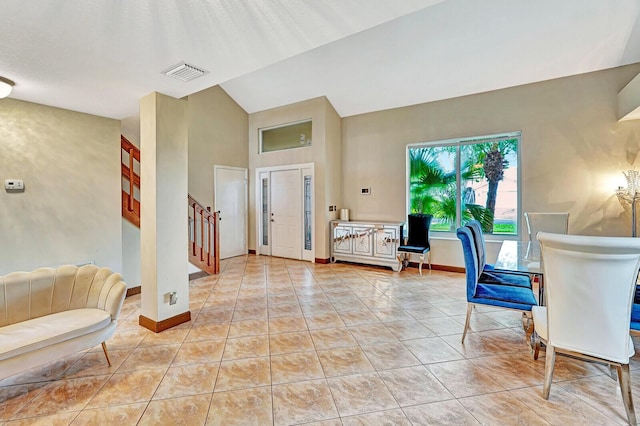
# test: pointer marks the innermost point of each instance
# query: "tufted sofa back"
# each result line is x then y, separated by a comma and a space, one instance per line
44, 291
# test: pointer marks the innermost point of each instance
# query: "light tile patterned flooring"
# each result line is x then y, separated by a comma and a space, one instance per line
275, 341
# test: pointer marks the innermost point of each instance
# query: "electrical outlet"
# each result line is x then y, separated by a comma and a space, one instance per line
173, 298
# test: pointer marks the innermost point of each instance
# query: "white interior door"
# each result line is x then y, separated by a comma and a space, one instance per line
286, 214
231, 201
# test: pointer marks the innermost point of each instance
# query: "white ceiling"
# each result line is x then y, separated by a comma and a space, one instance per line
102, 56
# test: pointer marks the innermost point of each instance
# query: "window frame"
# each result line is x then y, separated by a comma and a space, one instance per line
279, 126
459, 142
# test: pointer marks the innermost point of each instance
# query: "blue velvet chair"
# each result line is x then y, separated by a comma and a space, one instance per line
503, 290
635, 311
488, 273
478, 237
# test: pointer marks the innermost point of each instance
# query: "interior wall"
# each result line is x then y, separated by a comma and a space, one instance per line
217, 136
69, 212
163, 213
316, 110
573, 151
333, 184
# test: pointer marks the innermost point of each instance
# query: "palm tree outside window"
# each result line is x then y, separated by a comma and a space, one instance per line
472, 178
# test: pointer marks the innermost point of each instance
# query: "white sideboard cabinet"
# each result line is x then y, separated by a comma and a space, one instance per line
373, 243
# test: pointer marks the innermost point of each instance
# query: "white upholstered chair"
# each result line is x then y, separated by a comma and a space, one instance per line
589, 285
558, 223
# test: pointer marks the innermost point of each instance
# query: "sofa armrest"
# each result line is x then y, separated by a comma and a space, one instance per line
112, 295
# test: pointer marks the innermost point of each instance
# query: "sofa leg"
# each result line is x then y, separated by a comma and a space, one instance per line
106, 354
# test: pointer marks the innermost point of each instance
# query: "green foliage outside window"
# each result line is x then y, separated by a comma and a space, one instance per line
465, 179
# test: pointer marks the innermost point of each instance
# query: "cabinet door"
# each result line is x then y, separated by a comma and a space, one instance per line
386, 242
342, 239
362, 240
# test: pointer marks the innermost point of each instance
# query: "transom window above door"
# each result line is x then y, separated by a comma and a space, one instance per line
286, 136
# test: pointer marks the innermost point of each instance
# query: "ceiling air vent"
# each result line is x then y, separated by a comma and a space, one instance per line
184, 72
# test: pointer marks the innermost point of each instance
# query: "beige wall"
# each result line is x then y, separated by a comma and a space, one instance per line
217, 136
70, 209
333, 176
163, 213
325, 143
130, 129
573, 150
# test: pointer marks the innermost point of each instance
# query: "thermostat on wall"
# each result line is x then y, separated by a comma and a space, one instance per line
365, 191
14, 185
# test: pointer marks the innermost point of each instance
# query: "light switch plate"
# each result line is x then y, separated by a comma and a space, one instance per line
14, 184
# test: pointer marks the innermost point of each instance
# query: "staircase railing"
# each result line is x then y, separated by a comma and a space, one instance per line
204, 238
130, 206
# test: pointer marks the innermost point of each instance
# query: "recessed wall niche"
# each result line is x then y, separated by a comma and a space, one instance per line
286, 136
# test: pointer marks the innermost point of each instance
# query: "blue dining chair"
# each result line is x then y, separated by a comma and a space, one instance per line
488, 272
635, 310
504, 290
478, 237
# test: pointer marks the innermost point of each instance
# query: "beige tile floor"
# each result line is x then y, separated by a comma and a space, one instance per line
281, 342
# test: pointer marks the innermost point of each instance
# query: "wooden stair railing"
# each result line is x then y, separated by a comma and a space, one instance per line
130, 206
204, 238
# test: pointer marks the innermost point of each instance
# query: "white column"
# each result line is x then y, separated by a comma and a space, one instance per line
163, 217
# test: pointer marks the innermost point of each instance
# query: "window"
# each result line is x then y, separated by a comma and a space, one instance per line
307, 212
286, 136
460, 180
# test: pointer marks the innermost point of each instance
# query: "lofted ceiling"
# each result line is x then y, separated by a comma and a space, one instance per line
102, 56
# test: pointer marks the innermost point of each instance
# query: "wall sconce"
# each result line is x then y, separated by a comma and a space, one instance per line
631, 194
6, 86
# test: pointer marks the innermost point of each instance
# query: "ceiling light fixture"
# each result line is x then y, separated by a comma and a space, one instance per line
6, 86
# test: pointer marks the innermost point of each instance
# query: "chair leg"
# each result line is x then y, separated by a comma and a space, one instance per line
548, 370
625, 388
536, 345
527, 325
104, 348
613, 372
404, 261
429, 258
466, 323
420, 266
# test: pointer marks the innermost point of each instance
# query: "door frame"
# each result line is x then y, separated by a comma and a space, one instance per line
217, 167
307, 169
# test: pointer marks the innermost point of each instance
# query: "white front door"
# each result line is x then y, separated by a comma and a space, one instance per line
286, 214
231, 202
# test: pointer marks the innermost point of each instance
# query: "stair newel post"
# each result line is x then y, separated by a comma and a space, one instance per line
202, 234
216, 241
209, 240
208, 236
194, 229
